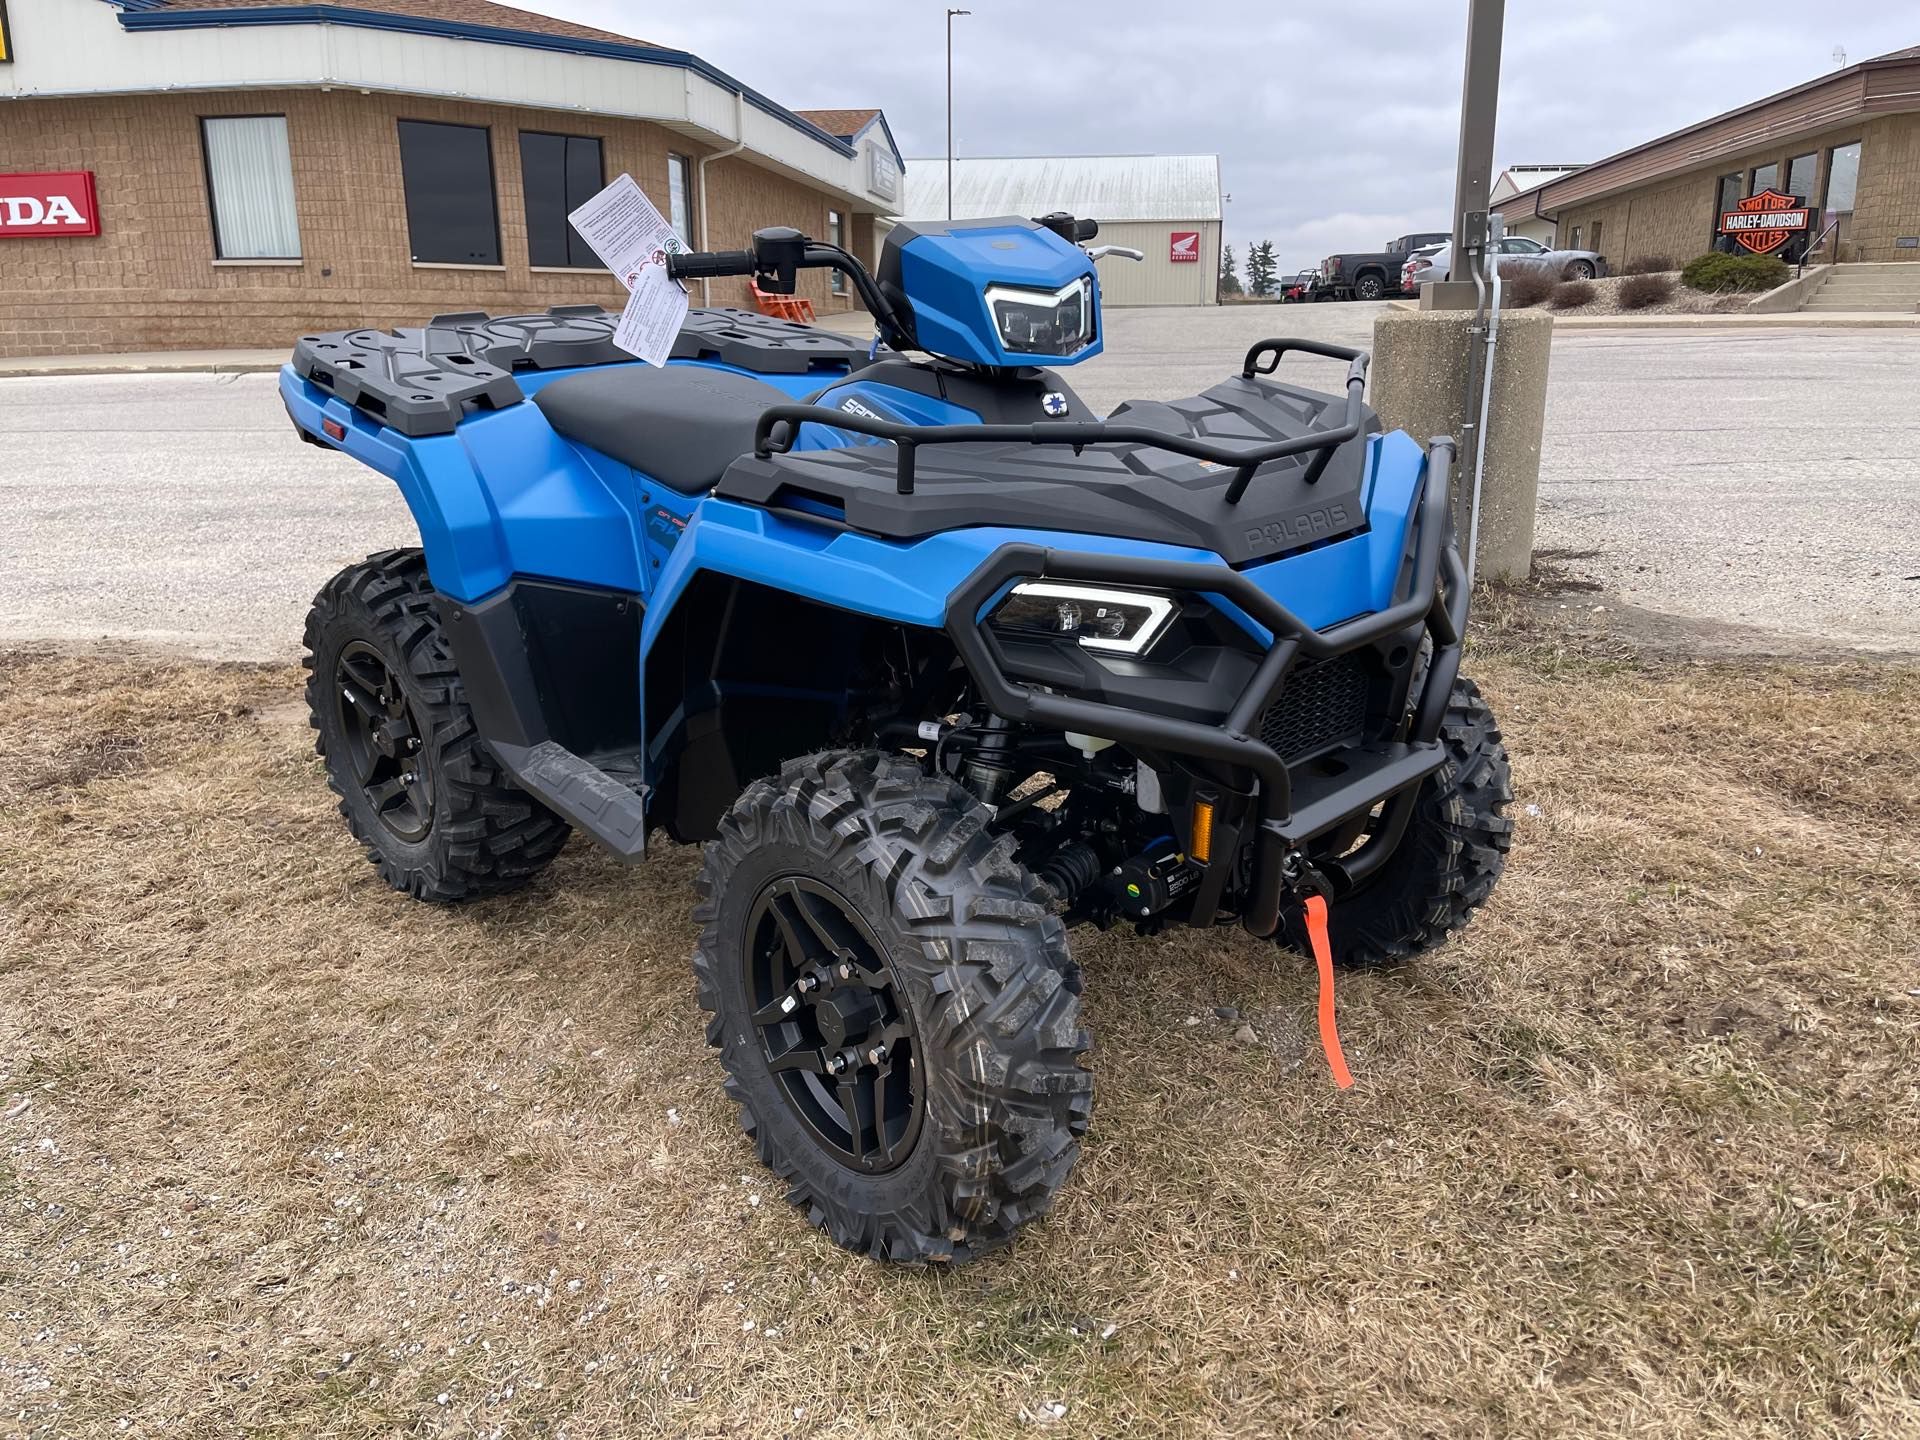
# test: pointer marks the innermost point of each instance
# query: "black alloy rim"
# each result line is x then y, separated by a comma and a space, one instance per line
383, 742
834, 1026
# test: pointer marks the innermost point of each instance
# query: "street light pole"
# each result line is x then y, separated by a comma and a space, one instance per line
950, 15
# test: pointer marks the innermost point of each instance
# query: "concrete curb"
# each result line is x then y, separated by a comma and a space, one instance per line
44, 366
1725, 320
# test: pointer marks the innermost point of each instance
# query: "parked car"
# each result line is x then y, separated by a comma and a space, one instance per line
1370, 275
1417, 261
1514, 250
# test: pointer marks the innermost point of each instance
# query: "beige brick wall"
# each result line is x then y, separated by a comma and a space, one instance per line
1675, 217
149, 280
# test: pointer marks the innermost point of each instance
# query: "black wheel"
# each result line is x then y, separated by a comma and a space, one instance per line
1369, 287
1452, 853
417, 785
1580, 270
894, 1005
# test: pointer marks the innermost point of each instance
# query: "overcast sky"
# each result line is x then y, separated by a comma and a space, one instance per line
1336, 124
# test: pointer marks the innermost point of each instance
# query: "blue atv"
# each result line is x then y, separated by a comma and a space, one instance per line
935, 663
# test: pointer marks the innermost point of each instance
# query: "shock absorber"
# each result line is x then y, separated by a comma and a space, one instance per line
986, 771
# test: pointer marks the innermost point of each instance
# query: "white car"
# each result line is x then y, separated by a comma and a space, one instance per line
1514, 249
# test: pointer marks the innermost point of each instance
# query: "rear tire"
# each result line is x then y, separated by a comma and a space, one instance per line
894, 877
418, 787
1369, 287
1450, 857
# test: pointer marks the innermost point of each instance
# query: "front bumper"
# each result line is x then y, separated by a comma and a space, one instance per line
1290, 808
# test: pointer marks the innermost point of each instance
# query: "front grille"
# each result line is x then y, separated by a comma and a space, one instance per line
1323, 704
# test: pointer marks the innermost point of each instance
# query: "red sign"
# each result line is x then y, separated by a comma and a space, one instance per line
1766, 221
58, 203
1184, 246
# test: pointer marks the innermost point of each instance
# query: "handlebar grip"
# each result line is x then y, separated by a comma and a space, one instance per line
708, 264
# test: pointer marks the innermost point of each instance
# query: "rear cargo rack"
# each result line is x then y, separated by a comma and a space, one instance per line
423, 380
770, 439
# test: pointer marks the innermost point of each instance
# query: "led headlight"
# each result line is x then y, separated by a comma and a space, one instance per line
1043, 322
1116, 620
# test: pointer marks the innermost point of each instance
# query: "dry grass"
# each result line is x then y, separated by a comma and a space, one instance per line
286, 1155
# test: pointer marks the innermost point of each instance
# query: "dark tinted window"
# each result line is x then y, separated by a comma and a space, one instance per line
560, 173
448, 174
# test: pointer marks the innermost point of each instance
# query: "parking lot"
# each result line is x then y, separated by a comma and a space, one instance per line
1764, 480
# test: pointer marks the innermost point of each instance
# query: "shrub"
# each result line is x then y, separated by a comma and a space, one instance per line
1524, 285
1640, 290
1647, 265
1572, 294
1719, 274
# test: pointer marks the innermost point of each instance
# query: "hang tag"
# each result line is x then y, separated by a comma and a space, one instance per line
633, 240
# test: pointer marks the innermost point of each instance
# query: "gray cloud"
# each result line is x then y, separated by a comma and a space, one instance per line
1336, 125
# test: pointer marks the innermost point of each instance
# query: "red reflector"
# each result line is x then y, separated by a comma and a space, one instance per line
335, 430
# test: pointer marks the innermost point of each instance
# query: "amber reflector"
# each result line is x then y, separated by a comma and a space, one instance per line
1201, 849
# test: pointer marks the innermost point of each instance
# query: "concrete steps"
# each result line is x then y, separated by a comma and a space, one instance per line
1879, 286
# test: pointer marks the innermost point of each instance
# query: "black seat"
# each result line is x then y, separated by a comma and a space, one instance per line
682, 424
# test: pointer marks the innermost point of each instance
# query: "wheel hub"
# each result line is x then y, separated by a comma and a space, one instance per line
834, 1027
382, 741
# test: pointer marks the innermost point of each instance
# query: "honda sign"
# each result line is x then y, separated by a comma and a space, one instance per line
1183, 246
60, 202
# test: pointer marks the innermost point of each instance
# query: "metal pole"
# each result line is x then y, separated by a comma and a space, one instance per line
1479, 101
950, 15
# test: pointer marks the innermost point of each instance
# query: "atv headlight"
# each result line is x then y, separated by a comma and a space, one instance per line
1043, 322
1118, 620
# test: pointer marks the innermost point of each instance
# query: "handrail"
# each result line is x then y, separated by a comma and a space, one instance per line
1833, 229
1244, 459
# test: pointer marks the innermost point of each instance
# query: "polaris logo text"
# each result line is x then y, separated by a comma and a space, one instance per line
60, 203
1309, 525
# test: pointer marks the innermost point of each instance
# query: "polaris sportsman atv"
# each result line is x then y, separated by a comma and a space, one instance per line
934, 662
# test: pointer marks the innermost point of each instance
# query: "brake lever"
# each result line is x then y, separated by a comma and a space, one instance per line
1126, 252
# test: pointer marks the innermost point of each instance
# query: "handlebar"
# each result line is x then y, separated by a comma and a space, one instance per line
710, 264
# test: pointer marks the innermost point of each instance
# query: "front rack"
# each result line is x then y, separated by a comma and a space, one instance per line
1262, 359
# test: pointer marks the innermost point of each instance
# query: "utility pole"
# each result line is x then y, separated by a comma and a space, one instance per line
950, 15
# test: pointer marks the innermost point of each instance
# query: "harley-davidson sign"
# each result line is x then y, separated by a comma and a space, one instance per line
57, 203
1765, 222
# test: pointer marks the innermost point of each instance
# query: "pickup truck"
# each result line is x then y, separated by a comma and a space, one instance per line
1372, 276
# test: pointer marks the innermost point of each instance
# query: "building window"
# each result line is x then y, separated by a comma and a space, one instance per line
1800, 175
1765, 177
1594, 244
836, 235
250, 187
1573, 240
1843, 176
1729, 197
679, 189
447, 173
558, 174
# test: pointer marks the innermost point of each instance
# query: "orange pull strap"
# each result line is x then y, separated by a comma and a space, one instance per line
1323, 957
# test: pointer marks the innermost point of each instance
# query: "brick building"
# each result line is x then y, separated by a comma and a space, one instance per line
1846, 146
253, 169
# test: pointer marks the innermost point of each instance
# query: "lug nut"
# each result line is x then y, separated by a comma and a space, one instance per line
846, 971
836, 1064
788, 1005
876, 1055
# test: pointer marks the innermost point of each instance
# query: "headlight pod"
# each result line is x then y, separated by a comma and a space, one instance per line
1119, 621
1043, 322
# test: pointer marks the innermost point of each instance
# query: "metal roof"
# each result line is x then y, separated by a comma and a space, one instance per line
1099, 187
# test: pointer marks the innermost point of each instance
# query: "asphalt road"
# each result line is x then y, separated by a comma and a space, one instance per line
1767, 479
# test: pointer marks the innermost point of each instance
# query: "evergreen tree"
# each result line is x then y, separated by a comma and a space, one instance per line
1262, 269
1229, 279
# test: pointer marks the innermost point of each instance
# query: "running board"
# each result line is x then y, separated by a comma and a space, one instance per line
583, 794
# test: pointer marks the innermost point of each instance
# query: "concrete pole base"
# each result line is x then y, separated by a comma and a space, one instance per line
1419, 384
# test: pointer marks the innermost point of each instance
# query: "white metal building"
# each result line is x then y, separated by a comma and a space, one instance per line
1165, 205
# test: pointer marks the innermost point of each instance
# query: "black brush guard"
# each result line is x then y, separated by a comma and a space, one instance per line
1392, 769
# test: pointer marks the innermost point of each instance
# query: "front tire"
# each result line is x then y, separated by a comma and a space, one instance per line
857, 914
1580, 270
1369, 287
418, 787
1452, 853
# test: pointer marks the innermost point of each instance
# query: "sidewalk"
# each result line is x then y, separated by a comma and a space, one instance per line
156, 362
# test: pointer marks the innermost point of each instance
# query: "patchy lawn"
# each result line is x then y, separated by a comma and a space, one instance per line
285, 1154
